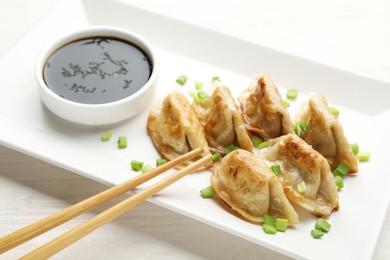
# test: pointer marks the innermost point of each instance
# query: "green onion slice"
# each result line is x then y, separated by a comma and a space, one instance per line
122, 142
286, 103
136, 165
216, 156
303, 125
198, 85
276, 169
182, 79
199, 96
322, 225
215, 78
355, 148
268, 220
298, 131
292, 93
196, 98
207, 192
281, 224
300, 127
256, 140
146, 168
160, 162
203, 95
231, 148
106, 136
315, 233
363, 156
341, 170
301, 187
263, 145
335, 111
269, 229
339, 182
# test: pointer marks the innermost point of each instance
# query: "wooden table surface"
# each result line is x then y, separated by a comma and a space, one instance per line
351, 35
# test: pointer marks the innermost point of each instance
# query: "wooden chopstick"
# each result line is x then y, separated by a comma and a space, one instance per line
24, 234
68, 238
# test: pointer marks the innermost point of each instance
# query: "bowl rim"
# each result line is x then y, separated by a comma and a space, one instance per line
96, 31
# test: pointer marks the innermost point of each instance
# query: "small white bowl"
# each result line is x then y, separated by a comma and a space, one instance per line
103, 113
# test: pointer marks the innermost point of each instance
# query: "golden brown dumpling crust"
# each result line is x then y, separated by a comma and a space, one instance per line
222, 122
263, 109
325, 132
300, 162
174, 128
249, 187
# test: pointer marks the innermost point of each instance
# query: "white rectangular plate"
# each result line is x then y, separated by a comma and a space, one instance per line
26, 125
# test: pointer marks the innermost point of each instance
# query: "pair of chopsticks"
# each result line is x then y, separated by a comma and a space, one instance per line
54, 246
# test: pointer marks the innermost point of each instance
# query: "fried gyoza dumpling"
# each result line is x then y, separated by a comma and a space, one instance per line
299, 162
249, 187
325, 132
222, 122
263, 109
174, 128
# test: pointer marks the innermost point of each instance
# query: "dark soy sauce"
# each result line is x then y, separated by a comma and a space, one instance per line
97, 70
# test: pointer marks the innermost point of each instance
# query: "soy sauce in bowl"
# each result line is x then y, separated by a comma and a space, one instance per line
97, 70
97, 75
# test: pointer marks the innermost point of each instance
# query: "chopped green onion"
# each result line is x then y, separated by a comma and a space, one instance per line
292, 93
106, 136
281, 224
136, 165
335, 111
268, 220
122, 142
315, 233
203, 95
355, 148
256, 140
322, 225
231, 148
197, 99
300, 127
182, 79
160, 162
199, 96
198, 85
146, 168
363, 156
269, 229
341, 170
263, 145
298, 131
216, 156
286, 103
339, 182
207, 192
216, 78
301, 187
276, 169
303, 125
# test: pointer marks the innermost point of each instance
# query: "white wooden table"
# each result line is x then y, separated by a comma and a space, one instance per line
352, 35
